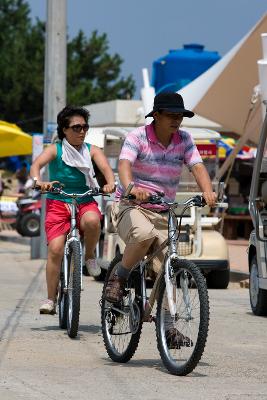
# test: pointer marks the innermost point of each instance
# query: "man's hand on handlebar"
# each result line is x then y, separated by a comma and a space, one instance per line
210, 198
140, 194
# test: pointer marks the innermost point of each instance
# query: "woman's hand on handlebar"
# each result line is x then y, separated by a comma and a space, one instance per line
210, 198
109, 188
45, 186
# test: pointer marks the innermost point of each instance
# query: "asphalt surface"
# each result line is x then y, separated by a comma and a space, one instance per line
39, 361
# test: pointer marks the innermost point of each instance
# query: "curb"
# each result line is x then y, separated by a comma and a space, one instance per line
16, 239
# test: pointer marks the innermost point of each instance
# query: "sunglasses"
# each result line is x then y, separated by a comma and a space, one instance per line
78, 128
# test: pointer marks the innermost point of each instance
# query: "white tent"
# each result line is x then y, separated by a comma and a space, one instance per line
223, 93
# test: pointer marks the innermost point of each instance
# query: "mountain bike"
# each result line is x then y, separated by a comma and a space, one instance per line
182, 303
70, 281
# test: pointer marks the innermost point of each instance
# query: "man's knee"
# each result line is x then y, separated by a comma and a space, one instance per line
147, 242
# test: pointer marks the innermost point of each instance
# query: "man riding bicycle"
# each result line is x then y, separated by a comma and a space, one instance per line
152, 157
70, 163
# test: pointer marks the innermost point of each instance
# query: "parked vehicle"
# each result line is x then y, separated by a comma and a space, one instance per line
28, 218
200, 242
257, 251
8, 211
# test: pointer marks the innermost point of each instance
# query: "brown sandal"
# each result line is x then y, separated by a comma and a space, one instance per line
115, 289
176, 340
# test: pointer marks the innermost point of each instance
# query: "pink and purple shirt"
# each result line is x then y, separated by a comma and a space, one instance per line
155, 167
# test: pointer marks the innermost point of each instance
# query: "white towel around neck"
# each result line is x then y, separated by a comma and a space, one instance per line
81, 160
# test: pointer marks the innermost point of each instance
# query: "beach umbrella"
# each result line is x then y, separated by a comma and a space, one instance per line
13, 141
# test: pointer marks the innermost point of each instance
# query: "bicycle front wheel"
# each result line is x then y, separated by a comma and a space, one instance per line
122, 323
62, 300
74, 289
181, 339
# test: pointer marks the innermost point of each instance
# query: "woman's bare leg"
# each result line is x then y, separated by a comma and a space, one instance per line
54, 258
90, 225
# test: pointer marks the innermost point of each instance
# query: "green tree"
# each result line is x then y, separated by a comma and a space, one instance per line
21, 64
93, 74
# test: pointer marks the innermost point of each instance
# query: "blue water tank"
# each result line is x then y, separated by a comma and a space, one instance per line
180, 67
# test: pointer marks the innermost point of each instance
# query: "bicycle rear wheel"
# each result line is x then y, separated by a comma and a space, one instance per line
62, 300
181, 351
74, 289
121, 331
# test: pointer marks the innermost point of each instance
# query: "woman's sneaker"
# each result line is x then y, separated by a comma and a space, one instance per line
92, 267
48, 307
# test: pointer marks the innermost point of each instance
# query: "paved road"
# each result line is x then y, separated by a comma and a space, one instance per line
39, 361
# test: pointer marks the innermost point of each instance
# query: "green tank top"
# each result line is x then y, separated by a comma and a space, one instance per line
71, 177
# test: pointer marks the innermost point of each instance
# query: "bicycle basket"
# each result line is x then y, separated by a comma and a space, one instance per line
185, 244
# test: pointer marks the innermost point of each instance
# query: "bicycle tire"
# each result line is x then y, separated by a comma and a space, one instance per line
74, 289
62, 301
190, 350
110, 317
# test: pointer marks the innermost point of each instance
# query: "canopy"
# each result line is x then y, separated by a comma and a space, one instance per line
223, 93
13, 141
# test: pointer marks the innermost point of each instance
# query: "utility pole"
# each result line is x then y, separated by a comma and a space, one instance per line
54, 82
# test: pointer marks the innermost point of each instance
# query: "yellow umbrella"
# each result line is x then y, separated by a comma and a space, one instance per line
13, 141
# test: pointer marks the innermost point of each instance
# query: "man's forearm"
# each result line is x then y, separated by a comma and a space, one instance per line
125, 173
202, 177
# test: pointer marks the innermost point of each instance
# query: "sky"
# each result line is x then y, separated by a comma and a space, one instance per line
141, 31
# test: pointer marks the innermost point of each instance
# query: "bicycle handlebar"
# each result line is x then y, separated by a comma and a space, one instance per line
158, 199
197, 201
59, 190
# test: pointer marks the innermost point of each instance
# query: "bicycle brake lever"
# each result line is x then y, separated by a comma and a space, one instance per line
160, 194
131, 197
199, 201
155, 199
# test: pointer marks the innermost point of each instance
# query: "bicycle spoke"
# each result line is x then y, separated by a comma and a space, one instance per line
121, 332
181, 339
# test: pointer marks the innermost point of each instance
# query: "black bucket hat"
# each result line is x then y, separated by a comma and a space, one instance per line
171, 102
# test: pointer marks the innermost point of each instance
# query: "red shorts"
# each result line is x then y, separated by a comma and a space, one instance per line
57, 221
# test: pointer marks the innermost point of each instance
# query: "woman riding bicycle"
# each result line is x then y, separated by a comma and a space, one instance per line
70, 163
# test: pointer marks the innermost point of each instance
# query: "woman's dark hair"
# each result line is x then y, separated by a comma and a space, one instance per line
64, 116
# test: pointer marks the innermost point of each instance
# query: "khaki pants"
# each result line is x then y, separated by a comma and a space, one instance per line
136, 224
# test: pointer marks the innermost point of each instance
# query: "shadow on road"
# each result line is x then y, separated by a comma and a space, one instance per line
152, 363
95, 329
256, 316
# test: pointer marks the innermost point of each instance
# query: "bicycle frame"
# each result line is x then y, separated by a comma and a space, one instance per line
181, 317
73, 235
166, 270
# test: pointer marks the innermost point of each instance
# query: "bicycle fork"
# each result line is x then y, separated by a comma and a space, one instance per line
169, 276
65, 262
170, 282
